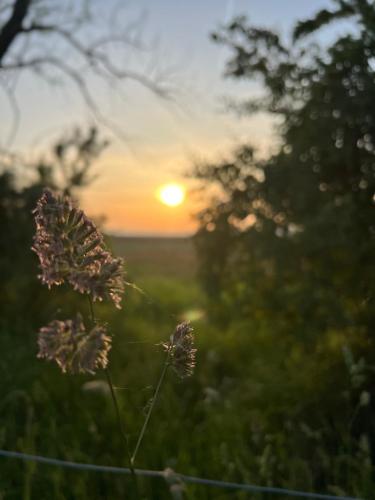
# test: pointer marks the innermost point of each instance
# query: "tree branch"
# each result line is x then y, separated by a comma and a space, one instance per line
13, 26
95, 57
40, 30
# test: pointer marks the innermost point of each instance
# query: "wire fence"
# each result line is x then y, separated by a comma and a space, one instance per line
170, 476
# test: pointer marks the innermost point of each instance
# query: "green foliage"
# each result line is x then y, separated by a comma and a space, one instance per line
244, 416
363, 9
286, 246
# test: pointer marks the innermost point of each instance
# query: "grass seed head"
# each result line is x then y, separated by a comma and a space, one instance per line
72, 347
71, 249
181, 350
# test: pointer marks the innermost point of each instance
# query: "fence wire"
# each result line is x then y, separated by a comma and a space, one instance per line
170, 476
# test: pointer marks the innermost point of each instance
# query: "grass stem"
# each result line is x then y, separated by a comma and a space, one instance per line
118, 415
151, 407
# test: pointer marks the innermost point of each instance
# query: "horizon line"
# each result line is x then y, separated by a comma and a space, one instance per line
151, 234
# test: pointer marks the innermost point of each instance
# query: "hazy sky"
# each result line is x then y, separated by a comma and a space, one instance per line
163, 137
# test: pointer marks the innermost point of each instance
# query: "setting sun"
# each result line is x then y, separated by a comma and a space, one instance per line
171, 194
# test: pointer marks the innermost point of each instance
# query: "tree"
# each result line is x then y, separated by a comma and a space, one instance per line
307, 210
69, 41
287, 242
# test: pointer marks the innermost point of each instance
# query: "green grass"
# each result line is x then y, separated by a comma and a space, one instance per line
244, 416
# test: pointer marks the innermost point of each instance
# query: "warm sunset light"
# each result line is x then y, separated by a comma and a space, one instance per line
205, 220
171, 194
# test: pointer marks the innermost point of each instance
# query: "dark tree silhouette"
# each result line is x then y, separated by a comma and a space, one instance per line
287, 242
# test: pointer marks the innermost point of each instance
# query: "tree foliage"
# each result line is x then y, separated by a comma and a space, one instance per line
306, 211
287, 242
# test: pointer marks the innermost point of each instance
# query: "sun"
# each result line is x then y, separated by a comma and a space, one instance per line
171, 194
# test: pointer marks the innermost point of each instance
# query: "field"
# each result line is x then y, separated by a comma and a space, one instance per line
71, 417
239, 418
168, 257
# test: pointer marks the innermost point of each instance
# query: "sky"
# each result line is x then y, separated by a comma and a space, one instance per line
163, 138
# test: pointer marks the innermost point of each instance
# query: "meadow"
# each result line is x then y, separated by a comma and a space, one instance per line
238, 418
48, 413
157, 256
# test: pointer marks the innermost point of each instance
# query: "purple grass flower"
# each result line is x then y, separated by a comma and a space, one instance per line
74, 349
71, 249
181, 350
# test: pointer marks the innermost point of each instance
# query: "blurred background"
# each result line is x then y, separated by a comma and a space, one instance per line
226, 148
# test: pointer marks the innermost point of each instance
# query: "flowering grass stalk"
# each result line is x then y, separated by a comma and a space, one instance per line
181, 356
117, 410
75, 349
71, 250
150, 409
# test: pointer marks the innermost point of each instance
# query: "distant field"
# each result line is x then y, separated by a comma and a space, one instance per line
155, 256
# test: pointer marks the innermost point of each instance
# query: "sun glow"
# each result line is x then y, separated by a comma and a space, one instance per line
171, 194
